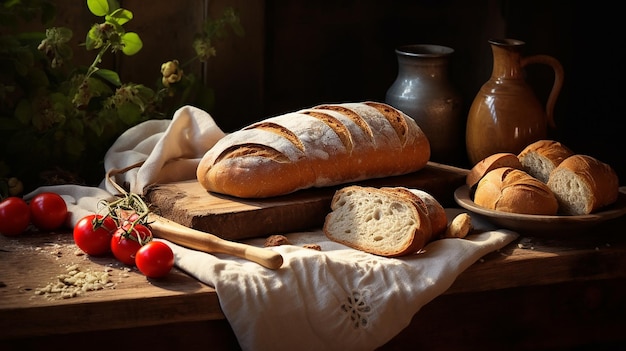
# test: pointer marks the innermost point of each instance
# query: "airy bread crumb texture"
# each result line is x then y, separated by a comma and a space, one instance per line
583, 184
540, 158
571, 192
375, 221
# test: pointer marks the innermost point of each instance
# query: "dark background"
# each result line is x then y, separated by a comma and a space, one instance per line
344, 51
299, 53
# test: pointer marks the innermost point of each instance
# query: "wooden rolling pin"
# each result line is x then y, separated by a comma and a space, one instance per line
177, 233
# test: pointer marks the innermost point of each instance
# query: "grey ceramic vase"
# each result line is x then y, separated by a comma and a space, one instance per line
423, 91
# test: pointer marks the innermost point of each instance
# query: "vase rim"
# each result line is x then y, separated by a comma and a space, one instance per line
424, 50
506, 42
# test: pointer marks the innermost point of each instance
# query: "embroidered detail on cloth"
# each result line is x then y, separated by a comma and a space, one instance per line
357, 308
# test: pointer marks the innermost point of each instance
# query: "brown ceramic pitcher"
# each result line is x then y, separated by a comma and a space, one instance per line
506, 115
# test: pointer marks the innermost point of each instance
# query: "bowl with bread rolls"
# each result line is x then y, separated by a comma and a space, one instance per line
545, 189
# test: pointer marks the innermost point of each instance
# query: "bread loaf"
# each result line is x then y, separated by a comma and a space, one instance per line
489, 163
541, 157
383, 222
512, 190
582, 184
316, 147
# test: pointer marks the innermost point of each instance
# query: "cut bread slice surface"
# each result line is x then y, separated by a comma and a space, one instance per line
542, 157
574, 195
583, 184
377, 221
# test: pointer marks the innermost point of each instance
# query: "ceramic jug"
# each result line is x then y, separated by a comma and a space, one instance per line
423, 91
506, 115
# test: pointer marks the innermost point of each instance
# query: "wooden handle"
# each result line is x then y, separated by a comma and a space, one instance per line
195, 239
556, 86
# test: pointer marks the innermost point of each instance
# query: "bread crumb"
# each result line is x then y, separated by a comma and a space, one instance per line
312, 246
526, 243
276, 240
75, 282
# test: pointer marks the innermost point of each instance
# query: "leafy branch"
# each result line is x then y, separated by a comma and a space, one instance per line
58, 120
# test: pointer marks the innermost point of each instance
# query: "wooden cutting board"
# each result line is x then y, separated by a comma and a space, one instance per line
189, 204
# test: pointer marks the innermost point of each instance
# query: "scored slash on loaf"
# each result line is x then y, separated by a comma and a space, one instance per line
317, 147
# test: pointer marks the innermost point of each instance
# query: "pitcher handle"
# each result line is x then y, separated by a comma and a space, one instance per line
558, 80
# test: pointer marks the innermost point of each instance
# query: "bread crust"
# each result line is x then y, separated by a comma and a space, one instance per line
316, 147
599, 178
489, 163
541, 157
512, 190
436, 213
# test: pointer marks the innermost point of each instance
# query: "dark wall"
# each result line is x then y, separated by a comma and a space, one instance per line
344, 50
337, 51
586, 36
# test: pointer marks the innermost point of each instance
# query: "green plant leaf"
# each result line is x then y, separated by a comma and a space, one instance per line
31, 37
120, 16
76, 127
132, 43
94, 38
110, 76
98, 7
129, 113
10, 3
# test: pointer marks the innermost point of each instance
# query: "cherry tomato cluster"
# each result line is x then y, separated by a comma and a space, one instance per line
124, 232
46, 211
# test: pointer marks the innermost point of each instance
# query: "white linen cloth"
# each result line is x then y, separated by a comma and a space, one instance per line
334, 299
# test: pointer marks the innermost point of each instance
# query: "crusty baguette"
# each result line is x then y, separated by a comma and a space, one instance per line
541, 157
489, 163
582, 185
316, 147
512, 190
378, 221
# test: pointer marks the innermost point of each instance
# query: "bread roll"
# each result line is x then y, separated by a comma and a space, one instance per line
502, 159
511, 190
582, 184
541, 157
383, 222
317, 147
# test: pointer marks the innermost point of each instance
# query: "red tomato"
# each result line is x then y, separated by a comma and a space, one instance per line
155, 259
48, 211
93, 234
125, 243
14, 216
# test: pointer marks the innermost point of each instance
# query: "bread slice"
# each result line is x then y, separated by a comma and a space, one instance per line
377, 221
435, 212
541, 157
512, 190
583, 184
501, 159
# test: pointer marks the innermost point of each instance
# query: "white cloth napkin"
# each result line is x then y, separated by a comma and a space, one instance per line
337, 298
334, 299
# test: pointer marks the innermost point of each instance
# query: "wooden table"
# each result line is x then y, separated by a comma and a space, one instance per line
538, 292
